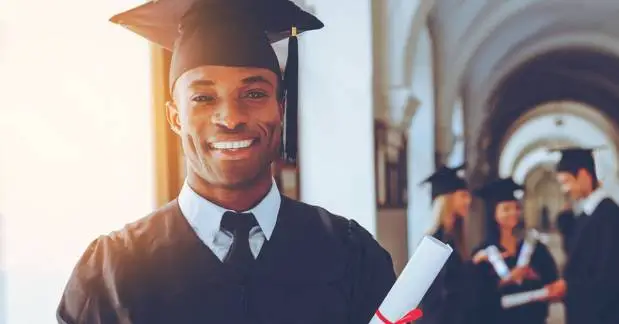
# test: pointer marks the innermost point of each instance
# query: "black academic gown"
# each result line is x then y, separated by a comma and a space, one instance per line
592, 268
491, 293
566, 222
315, 268
451, 297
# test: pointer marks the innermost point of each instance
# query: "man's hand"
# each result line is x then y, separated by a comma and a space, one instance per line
556, 290
531, 274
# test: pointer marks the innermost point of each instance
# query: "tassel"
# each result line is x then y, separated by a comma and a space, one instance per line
291, 82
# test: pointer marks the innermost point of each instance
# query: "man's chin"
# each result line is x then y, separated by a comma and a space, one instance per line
235, 184
240, 179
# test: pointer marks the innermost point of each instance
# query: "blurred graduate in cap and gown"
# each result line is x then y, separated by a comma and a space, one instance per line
450, 298
590, 283
231, 249
566, 223
502, 198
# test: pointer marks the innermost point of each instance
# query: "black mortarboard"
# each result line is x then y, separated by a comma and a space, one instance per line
228, 33
500, 190
576, 158
446, 180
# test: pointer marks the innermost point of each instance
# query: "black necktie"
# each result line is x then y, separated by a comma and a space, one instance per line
239, 256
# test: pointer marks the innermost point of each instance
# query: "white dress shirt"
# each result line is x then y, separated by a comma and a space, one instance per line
592, 201
205, 219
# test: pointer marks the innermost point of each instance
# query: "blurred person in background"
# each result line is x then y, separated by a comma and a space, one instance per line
590, 285
450, 299
502, 232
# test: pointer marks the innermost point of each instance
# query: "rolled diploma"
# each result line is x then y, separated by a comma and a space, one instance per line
522, 298
528, 247
495, 258
415, 280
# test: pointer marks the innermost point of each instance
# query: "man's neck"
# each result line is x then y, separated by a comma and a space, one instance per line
588, 192
237, 199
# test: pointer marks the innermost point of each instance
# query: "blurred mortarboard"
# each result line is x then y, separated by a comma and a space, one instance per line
228, 33
576, 158
500, 190
446, 180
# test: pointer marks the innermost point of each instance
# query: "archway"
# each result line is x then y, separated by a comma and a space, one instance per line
583, 84
588, 78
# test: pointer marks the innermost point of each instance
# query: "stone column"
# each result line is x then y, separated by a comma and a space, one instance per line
336, 156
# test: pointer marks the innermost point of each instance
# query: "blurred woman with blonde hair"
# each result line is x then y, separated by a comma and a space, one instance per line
449, 300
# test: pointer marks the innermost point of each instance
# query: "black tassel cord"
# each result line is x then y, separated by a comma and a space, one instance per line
291, 82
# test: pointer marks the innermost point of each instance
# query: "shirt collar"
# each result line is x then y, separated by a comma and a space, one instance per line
205, 216
590, 203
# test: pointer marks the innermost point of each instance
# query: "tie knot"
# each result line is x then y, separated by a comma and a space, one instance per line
238, 223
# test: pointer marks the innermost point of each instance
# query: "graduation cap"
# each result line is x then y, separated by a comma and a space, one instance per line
576, 158
500, 190
446, 180
228, 33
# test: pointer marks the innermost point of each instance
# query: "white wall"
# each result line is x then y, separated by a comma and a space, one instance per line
75, 142
336, 128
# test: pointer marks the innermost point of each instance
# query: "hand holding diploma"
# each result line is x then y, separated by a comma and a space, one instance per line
400, 305
523, 298
519, 274
498, 263
528, 247
482, 256
556, 290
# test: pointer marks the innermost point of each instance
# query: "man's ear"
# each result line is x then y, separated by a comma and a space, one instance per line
173, 117
585, 175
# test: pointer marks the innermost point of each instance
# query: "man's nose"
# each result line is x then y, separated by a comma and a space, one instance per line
231, 115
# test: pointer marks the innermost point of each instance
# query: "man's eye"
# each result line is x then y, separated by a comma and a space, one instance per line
203, 98
255, 95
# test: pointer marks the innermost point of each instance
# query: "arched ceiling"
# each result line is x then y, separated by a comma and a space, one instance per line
478, 45
542, 23
476, 38
577, 75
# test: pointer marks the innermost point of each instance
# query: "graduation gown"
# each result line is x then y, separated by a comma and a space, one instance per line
566, 222
592, 268
490, 307
451, 297
316, 268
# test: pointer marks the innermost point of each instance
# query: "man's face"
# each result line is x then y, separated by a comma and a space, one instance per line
573, 185
229, 120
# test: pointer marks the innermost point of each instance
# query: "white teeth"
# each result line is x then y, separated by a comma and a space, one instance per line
232, 145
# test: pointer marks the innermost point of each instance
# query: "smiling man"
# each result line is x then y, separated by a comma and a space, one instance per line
231, 249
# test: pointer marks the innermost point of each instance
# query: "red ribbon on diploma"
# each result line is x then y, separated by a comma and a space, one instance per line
415, 314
